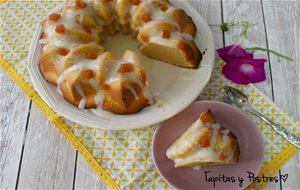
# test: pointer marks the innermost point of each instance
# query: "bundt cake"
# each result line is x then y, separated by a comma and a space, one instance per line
88, 76
204, 143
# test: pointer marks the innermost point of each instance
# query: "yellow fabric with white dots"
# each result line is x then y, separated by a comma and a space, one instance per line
122, 159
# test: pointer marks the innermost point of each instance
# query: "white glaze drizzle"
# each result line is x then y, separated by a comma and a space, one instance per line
213, 141
90, 8
197, 168
79, 65
60, 62
208, 153
187, 36
175, 36
225, 132
99, 98
43, 41
230, 155
83, 100
132, 76
68, 19
132, 10
81, 18
113, 76
132, 90
62, 77
158, 14
188, 141
61, 40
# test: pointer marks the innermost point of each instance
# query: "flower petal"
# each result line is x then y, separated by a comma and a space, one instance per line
231, 72
245, 71
233, 52
258, 73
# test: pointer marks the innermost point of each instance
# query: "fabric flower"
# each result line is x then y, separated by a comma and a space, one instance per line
241, 67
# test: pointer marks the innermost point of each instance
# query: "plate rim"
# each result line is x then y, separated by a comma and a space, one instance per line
205, 101
60, 109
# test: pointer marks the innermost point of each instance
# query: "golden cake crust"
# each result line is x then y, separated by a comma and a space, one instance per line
89, 77
120, 100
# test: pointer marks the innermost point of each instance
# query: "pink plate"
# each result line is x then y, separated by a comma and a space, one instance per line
225, 176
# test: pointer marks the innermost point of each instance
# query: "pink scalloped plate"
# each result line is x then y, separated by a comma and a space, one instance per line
210, 177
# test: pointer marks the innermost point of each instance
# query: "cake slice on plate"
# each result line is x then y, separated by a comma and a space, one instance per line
204, 143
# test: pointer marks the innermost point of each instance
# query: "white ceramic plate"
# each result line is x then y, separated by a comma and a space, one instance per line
174, 88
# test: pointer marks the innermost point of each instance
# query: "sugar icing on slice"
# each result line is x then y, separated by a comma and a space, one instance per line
197, 153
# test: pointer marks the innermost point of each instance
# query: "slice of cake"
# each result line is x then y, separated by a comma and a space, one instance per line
163, 41
204, 143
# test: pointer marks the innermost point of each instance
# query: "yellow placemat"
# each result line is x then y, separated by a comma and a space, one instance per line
122, 159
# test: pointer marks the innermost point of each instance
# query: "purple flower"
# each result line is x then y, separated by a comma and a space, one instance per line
233, 52
245, 71
241, 67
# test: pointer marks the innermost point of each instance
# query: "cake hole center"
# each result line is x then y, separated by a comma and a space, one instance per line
119, 43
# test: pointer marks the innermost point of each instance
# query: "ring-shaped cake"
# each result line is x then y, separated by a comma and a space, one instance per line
88, 76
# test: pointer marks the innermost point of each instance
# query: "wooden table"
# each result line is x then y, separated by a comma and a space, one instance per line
34, 155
